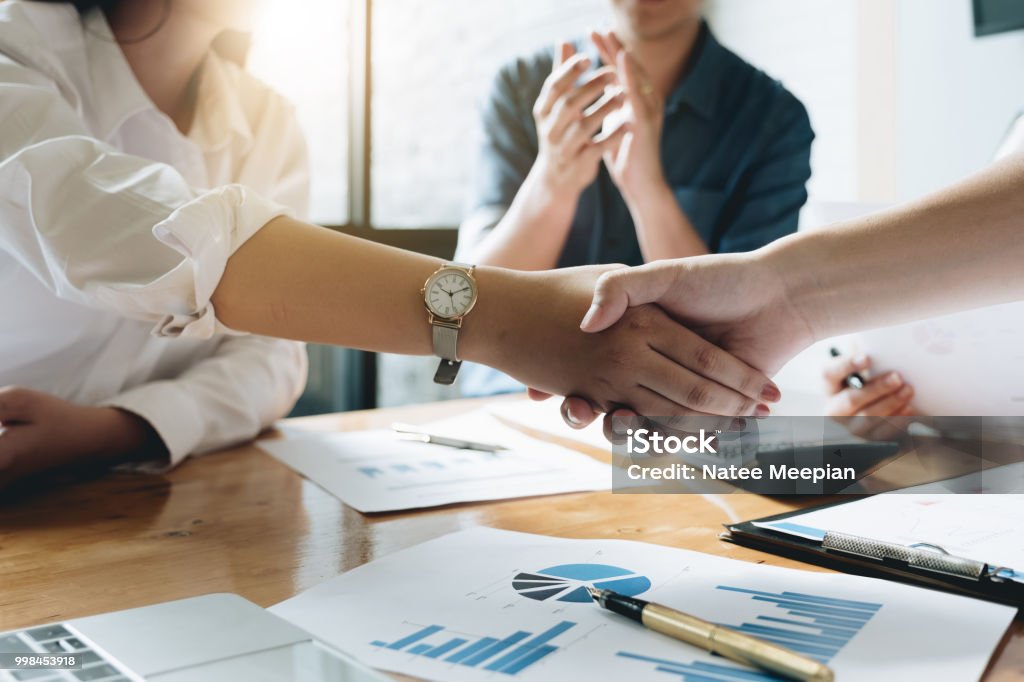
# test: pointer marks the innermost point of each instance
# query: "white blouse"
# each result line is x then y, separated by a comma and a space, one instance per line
112, 240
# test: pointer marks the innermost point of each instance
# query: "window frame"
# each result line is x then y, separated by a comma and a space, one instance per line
435, 241
361, 367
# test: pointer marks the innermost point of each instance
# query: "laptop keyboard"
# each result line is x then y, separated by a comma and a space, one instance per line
58, 640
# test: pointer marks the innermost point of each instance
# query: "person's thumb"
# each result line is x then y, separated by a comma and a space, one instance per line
16, 405
618, 290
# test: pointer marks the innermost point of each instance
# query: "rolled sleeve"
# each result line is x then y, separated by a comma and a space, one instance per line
178, 301
110, 230
250, 381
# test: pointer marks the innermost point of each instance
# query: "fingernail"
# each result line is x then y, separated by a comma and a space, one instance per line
771, 393
588, 318
894, 379
860, 360
571, 418
762, 411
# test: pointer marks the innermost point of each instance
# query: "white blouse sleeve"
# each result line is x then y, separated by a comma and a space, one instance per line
228, 398
250, 381
110, 230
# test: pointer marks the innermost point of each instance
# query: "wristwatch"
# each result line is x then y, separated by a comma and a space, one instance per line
449, 294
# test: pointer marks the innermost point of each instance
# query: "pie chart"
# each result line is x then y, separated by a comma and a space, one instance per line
569, 582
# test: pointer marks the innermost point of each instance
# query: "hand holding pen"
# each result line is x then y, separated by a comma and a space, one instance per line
873, 407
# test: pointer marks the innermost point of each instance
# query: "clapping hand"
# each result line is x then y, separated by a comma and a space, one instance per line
570, 114
635, 162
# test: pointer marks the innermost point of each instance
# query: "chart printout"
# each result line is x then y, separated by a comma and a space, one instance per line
486, 604
374, 471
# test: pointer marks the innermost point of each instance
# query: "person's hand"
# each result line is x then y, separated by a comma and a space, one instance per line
39, 432
646, 361
880, 411
735, 301
887, 395
570, 115
635, 163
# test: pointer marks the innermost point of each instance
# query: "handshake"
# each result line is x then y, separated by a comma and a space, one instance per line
692, 337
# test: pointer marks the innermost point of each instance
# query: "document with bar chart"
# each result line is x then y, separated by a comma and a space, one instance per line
374, 471
485, 604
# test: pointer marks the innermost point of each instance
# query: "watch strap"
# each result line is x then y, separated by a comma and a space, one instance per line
446, 372
446, 340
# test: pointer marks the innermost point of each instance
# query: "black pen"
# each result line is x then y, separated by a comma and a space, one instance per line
726, 642
854, 380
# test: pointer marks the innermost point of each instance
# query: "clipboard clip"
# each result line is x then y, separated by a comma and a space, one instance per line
923, 555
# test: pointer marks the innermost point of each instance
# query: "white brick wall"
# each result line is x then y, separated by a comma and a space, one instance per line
811, 46
902, 95
433, 60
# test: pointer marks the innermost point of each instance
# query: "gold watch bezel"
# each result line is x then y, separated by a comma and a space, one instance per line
437, 274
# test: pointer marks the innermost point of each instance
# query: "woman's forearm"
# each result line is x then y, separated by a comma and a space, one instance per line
960, 248
662, 229
299, 281
533, 231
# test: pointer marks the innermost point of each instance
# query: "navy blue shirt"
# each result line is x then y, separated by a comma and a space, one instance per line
735, 149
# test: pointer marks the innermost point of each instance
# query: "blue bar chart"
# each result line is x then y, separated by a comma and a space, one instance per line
509, 655
816, 626
451, 463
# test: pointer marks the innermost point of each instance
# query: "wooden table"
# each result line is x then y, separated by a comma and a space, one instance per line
241, 522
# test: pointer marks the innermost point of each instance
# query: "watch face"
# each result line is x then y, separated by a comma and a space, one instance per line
450, 294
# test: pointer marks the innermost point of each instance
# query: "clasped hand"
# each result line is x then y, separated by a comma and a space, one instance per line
643, 358
709, 331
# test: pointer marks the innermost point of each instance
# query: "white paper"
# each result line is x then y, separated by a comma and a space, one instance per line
971, 363
476, 584
546, 417
374, 471
987, 528
1000, 480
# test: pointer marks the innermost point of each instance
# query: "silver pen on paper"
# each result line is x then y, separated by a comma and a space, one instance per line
415, 433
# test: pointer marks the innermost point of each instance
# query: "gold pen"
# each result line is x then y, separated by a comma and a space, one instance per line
736, 646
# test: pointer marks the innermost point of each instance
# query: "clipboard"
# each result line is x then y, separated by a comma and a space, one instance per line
924, 565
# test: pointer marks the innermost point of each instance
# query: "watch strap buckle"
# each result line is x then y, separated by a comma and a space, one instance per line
446, 372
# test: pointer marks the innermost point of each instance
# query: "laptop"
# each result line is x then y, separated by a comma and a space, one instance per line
214, 637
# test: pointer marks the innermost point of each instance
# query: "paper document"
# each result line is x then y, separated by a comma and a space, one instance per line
486, 604
1000, 480
971, 363
374, 471
546, 417
987, 528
